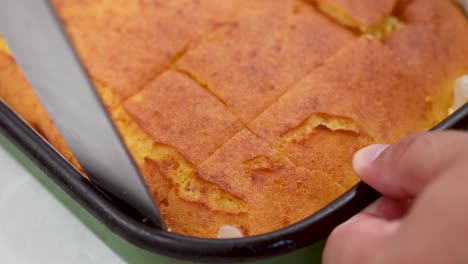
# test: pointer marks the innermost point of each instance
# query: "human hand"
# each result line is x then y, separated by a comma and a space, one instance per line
423, 214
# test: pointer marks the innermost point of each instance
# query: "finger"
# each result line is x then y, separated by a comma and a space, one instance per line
388, 208
402, 170
435, 229
357, 240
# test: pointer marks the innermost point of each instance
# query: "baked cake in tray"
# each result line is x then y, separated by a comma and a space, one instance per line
247, 113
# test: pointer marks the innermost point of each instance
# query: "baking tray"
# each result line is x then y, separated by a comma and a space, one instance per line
129, 225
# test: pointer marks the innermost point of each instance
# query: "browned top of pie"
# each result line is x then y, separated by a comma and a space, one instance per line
359, 14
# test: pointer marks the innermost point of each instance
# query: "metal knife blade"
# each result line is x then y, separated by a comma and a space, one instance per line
42, 50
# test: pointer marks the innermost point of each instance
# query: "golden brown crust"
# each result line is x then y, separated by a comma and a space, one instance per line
436, 64
275, 191
319, 151
343, 104
363, 82
291, 39
177, 111
124, 44
362, 14
195, 219
415, 11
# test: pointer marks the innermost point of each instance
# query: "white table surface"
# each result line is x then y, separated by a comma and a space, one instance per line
39, 223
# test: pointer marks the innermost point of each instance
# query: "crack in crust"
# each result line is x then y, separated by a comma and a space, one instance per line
164, 168
386, 27
262, 162
379, 29
315, 120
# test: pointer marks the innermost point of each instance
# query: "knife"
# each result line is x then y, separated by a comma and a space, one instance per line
41, 48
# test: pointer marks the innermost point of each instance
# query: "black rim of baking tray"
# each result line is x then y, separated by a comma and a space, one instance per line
130, 227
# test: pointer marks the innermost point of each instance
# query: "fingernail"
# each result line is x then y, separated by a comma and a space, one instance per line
365, 156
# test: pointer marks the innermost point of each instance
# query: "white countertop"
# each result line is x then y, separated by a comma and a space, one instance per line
39, 223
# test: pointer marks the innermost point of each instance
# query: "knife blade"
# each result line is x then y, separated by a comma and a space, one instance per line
44, 53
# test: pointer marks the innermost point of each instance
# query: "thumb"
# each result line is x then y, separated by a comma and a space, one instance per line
359, 239
399, 172
402, 170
